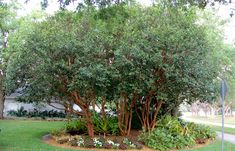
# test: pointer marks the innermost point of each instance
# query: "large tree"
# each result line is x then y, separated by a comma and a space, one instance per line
165, 60
139, 58
7, 15
64, 58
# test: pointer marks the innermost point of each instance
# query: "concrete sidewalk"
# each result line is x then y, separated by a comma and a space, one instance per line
227, 137
207, 123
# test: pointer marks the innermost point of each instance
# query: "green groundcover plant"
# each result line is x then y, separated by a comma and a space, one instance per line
104, 126
172, 133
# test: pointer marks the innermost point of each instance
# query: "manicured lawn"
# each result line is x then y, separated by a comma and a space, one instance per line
26, 135
226, 129
18, 135
216, 119
215, 147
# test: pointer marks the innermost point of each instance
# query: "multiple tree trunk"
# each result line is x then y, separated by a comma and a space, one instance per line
124, 109
147, 112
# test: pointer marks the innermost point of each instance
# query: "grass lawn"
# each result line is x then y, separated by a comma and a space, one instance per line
216, 119
26, 135
19, 135
226, 129
215, 147
228, 120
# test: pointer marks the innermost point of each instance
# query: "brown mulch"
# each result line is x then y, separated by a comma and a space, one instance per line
53, 142
48, 139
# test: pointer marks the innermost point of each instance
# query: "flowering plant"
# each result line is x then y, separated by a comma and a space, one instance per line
115, 145
97, 142
129, 143
80, 141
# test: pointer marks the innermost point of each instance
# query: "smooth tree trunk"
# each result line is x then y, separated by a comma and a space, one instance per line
2, 96
125, 115
86, 114
2, 90
90, 125
2, 100
146, 115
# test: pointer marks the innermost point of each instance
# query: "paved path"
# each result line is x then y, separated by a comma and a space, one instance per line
228, 137
207, 122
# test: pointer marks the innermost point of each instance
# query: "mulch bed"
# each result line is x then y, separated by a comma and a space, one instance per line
48, 139
52, 140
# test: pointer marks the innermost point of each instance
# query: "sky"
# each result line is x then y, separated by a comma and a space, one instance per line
53, 5
222, 10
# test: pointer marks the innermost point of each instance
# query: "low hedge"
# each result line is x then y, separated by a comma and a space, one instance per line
36, 113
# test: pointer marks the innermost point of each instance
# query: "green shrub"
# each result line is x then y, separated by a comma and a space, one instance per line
171, 133
163, 139
36, 113
200, 131
113, 125
75, 127
172, 124
57, 132
107, 125
19, 113
100, 125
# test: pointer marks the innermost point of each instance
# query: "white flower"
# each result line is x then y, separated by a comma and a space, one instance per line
80, 142
97, 143
133, 146
116, 144
110, 142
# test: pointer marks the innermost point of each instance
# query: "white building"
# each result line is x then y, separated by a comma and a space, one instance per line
12, 104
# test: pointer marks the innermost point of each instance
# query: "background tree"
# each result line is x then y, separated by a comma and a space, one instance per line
7, 24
